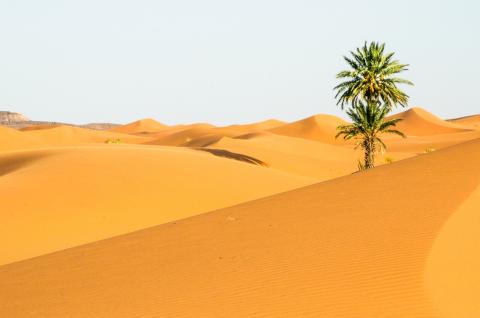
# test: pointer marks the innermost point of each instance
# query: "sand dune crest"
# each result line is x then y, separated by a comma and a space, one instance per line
418, 122
96, 192
147, 125
319, 127
352, 247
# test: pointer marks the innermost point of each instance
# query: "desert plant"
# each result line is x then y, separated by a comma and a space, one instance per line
113, 141
360, 165
389, 160
368, 123
372, 78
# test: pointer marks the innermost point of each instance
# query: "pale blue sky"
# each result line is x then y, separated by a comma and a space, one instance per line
224, 62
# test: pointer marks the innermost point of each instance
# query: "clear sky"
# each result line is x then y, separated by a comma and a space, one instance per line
221, 61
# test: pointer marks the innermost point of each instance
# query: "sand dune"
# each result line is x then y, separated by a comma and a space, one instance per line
258, 126
12, 139
39, 127
319, 127
471, 122
58, 198
419, 144
201, 135
69, 135
294, 155
311, 158
142, 126
233, 131
372, 244
182, 136
418, 122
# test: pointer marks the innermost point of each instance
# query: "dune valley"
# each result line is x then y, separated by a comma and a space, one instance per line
267, 219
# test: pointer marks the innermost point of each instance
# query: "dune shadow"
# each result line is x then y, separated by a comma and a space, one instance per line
203, 141
9, 165
233, 155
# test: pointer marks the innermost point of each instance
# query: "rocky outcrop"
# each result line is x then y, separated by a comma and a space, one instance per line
18, 121
12, 118
100, 126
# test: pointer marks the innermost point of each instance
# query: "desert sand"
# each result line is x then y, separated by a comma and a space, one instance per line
58, 198
419, 122
472, 122
319, 127
268, 219
350, 247
141, 126
11, 139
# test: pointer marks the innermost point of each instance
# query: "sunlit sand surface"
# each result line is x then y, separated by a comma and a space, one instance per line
268, 219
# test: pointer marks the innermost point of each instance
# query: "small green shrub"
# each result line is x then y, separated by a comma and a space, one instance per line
389, 159
113, 141
361, 166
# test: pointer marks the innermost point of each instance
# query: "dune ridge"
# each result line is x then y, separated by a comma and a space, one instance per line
258, 126
299, 156
471, 122
319, 127
417, 121
12, 139
58, 198
182, 136
141, 126
349, 247
70, 135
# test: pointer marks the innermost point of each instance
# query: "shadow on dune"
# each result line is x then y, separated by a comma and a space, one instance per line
233, 155
10, 164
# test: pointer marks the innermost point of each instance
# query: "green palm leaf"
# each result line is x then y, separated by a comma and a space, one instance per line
372, 77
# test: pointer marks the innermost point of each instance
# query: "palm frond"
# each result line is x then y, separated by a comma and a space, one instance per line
372, 77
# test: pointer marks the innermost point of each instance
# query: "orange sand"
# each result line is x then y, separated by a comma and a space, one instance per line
204, 134
373, 244
68, 135
400, 240
11, 139
418, 122
471, 122
319, 127
140, 127
58, 198
293, 155
259, 126
179, 136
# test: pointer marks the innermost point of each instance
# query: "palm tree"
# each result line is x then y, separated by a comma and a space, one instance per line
372, 78
368, 124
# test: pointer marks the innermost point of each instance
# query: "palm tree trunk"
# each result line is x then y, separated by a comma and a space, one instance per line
369, 153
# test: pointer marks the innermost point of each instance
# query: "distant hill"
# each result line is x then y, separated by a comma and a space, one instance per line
19, 121
100, 126
11, 118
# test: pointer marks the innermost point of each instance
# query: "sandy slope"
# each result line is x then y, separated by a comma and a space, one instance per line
179, 136
294, 155
39, 127
69, 135
373, 244
452, 268
12, 139
258, 126
201, 134
319, 127
58, 198
471, 122
419, 122
142, 126
419, 144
